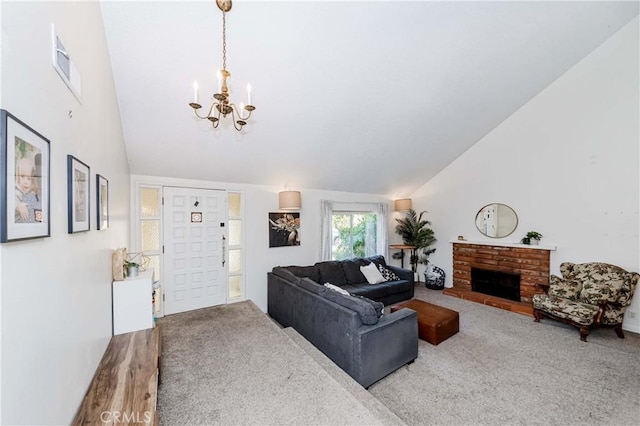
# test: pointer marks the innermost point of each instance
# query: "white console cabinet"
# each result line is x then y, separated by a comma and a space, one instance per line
132, 303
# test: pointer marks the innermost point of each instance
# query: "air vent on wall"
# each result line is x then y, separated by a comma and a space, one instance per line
65, 67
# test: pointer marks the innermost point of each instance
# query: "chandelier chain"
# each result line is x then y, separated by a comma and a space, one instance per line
224, 41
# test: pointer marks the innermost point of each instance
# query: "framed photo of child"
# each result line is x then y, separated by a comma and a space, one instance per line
77, 195
102, 201
24, 181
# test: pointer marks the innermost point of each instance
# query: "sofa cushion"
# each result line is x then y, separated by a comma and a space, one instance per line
601, 282
364, 309
372, 274
286, 274
331, 272
595, 292
379, 291
388, 274
592, 272
377, 306
569, 289
377, 259
351, 268
305, 272
312, 286
581, 313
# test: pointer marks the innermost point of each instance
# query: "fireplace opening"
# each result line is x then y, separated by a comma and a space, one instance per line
495, 283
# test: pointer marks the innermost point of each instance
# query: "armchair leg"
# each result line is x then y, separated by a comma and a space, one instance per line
537, 316
619, 332
584, 331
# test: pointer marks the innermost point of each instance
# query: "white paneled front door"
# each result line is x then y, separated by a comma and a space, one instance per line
194, 260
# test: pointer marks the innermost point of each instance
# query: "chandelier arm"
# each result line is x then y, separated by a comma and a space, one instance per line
204, 117
240, 117
234, 111
216, 123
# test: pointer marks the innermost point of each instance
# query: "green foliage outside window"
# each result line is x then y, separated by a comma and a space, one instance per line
354, 235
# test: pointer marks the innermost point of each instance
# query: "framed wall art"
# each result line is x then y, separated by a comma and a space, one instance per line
24, 181
102, 201
284, 229
77, 195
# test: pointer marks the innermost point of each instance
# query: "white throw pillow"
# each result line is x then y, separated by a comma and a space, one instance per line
336, 288
372, 274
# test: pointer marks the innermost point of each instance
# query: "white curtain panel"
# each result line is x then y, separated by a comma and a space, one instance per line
383, 238
326, 213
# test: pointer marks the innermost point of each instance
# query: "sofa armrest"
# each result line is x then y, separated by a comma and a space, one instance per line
386, 346
600, 315
403, 274
543, 286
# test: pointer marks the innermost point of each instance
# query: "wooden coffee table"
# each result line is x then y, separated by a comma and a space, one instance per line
435, 323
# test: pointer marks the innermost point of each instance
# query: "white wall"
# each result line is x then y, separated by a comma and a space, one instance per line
56, 292
259, 201
567, 162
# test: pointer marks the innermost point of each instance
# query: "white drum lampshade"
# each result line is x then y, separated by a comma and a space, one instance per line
289, 200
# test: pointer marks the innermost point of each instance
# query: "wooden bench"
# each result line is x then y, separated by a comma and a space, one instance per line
124, 386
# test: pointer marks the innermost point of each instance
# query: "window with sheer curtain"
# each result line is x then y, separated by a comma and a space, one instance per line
353, 229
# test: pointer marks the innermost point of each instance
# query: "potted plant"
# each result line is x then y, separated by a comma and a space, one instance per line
416, 232
532, 238
132, 268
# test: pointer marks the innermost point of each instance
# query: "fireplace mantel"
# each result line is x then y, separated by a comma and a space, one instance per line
500, 244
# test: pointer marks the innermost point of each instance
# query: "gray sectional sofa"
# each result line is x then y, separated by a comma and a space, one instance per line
350, 330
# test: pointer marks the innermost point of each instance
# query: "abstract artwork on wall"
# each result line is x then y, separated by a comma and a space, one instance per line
284, 229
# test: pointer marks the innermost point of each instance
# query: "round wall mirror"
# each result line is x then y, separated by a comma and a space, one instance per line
496, 220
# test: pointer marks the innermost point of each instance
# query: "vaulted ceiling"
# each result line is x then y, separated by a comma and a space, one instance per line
368, 96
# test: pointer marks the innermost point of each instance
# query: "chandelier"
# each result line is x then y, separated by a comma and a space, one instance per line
220, 105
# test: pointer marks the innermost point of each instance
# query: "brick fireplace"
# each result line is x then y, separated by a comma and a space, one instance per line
531, 264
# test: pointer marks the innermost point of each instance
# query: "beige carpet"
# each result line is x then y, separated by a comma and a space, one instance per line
504, 369
231, 365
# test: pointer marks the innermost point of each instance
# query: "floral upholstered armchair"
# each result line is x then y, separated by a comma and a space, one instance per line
588, 295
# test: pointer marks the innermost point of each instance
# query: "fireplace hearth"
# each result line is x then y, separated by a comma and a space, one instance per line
496, 283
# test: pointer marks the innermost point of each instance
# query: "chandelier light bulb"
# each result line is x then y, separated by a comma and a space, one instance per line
248, 94
195, 92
